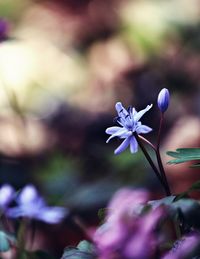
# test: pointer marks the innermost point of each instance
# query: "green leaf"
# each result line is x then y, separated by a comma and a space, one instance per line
195, 186
165, 201
196, 165
189, 208
4, 243
182, 155
74, 253
85, 246
84, 250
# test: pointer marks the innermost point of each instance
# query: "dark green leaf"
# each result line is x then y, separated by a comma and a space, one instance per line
181, 196
102, 213
74, 253
165, 201
85, 246
184, 155
4, 243
84, 250
195, 186
189, 208
196, 165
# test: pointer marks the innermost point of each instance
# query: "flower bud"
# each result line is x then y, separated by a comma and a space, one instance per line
163, 100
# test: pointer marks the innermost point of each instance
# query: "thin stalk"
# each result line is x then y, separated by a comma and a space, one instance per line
32, 233
148, 142
151, 163
21, 238
78, 221
158, 156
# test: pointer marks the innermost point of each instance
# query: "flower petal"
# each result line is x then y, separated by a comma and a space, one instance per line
123, 146
28, 194
122, 112
133, 145
142, 112
112, 130
121, 133
134, 111
143, 129
52, 215
7, 194
14, 212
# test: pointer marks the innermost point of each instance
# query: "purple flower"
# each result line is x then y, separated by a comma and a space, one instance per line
163, 100
130, 124
3, 29
31, 205
126, 201
184, 248
145, 239
6, 195
127, 233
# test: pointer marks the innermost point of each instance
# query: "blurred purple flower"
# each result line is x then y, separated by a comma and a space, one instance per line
7, 194
31, 205
127, 233
126, 201
3, 29
163, 100
129, 121
145, 241
184, 248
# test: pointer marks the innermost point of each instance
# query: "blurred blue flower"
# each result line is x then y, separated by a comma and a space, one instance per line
32, 205
7, 194
163, 99
129, 121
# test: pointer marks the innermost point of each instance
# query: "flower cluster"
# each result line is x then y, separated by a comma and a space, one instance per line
30, 205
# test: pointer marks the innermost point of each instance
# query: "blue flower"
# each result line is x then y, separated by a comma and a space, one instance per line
7, 194
32, 205
163, 100
130, 124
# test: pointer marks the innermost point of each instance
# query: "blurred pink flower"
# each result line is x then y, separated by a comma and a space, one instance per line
127, 232
185, 248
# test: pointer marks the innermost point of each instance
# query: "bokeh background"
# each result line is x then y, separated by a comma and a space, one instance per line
63, 66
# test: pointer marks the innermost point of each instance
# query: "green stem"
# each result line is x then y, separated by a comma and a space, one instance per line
21, 237
148, 142
151, 163
78, 221
158, 156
